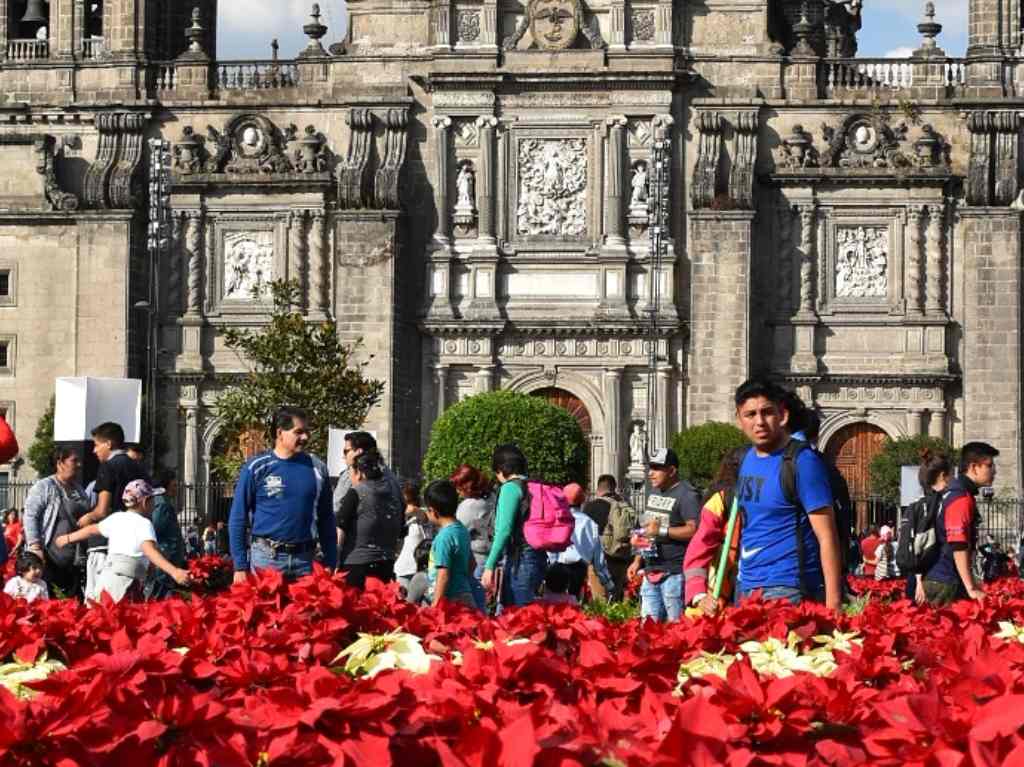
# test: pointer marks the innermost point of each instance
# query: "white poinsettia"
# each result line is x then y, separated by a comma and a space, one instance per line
14, 676
705, 664
1010, 632
838, 641
373, 653
773, 657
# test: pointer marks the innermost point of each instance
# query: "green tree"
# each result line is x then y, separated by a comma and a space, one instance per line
701, 448
469, 431
884, 470
293, 361
40, 452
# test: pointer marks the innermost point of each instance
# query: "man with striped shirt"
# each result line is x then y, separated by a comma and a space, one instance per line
282, 496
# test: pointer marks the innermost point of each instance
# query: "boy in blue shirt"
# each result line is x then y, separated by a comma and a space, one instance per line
451, 564
788, 551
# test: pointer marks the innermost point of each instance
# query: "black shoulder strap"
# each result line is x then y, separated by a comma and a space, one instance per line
787, 478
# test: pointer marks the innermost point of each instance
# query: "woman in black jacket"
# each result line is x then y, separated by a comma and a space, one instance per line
370, 520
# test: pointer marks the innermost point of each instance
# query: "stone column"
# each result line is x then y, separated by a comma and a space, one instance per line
613, 197
663, 24
190, 475
489, 25
808, 255
486, 180
297, 255
319, 268
175, 267
914, 303
915, 422
441, 386
661, 430
442, 127
5, 33
442, 25
614, 436
194, 254
617, 30
785, 255
78, 30
937, 424
934, 305
484, 379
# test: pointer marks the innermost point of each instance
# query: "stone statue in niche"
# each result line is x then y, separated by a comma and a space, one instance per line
637, 446
465, 183
862, 261
552, 188
248, 265
640, 186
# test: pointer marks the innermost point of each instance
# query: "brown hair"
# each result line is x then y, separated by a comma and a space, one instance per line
933, 465
470, 481
727, 473
411, 494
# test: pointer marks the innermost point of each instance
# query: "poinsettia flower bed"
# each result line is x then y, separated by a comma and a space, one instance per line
313, 673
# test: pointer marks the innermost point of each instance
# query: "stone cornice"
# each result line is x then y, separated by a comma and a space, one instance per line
872, 379
854, 177
556, 81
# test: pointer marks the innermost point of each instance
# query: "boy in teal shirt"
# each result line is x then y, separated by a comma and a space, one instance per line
451, 560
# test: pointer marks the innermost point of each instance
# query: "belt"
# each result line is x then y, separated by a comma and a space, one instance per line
287, 547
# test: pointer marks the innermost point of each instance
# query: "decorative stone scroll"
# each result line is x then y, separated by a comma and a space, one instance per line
248, 265
114, 179
862, 262
709, 152
741, 179
552, 187
353, 170
386, 180
56, 197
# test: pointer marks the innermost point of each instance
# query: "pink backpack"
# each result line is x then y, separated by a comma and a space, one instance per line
550, 524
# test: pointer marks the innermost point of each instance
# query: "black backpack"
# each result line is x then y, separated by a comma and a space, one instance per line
841, 504
918, 549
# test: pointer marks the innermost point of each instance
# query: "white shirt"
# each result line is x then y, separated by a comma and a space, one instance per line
125, 532
18, 587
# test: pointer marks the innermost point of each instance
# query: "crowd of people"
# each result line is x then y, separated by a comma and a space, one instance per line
775, 522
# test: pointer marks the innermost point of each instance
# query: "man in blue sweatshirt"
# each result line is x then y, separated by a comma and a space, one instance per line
280, 496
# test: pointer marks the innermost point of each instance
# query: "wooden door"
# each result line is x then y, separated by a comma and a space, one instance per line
851, 449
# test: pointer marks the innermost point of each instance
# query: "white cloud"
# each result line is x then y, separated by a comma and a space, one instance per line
904, 52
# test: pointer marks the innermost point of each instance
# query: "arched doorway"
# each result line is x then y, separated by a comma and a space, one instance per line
851, 449
575, 407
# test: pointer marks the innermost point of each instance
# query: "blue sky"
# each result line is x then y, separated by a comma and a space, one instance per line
247, 26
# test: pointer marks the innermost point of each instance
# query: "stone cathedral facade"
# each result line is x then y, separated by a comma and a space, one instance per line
464, 185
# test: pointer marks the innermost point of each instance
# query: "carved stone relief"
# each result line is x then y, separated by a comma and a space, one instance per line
552, 188
865, 141
639, 132
250, 144
468, 25
862, 262
248, 265
643, 25
554, 25
467, 134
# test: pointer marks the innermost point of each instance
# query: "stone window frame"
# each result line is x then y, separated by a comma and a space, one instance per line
11, 269
583, 129
229, 223
11, 343
890, 219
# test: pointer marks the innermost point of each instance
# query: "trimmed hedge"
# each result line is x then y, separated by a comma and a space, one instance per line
469, 431
884, 470
701, 449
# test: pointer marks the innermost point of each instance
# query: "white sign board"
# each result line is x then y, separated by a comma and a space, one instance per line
336, 449
82, 404
910, 487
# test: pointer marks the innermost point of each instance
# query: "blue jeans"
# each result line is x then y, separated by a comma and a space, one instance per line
791, 594
479, 595
290, 565
662, 600
523, 576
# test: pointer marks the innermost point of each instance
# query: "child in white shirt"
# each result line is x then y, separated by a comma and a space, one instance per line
28, 584
131, 544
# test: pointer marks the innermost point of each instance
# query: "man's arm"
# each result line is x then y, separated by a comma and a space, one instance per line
440, 585
823, 523
962, 560
682, 532
104, 505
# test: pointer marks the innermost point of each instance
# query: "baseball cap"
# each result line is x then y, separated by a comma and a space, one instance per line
139, 490
665, 456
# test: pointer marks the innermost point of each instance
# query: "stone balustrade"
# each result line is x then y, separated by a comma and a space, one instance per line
92, 47
853, 77
27, 50
255, 75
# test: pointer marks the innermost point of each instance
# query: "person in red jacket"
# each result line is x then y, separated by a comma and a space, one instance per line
8, 442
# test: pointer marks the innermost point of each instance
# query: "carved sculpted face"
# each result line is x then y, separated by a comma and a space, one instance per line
553, 23
251, 136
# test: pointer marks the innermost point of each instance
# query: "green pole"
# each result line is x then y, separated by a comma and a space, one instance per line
723, 559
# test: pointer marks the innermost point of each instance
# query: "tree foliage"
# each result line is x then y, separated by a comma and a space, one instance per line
40, 452
293, 361
701, 448
884, 470
469, 431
